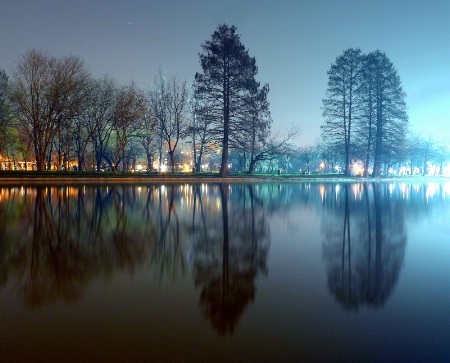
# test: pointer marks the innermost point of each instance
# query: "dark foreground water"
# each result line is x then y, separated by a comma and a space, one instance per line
212, 272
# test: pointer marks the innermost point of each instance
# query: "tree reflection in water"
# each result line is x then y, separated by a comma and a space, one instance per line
226, 267
58, 239
364, 246
68, 242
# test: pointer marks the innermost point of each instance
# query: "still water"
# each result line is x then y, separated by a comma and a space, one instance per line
225, 272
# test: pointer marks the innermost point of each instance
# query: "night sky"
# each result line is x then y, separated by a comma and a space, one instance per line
294, 43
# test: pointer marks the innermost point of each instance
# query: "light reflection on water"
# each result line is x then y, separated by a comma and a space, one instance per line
231, 272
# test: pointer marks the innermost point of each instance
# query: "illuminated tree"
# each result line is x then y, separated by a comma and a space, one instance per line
227, 80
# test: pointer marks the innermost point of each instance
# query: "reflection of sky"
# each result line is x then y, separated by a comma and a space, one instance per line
431, 190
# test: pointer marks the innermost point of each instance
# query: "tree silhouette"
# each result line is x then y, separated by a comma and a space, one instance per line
227, 80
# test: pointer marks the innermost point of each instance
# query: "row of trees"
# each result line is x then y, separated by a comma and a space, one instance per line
57, 110
365, 110
416, 155
54, 111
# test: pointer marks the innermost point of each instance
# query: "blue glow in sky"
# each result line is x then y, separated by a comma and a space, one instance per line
294, 43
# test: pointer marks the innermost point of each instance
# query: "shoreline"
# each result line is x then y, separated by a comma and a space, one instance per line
59, 178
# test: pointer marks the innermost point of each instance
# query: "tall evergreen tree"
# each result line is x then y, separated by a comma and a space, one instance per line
340, 106
365, 110
391, 117
228, 78
366, 125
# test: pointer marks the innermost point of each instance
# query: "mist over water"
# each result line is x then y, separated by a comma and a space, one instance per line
230, 272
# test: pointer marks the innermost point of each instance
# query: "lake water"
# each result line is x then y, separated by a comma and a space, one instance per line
225, 272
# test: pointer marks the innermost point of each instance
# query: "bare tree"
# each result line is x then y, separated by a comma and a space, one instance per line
148, 136
5, 119
99, 116
256, 123
131, 106
274, 147
3, 105
308, 155
169, 102
80, 136
426, 152
199, 126
159, 102
48, 93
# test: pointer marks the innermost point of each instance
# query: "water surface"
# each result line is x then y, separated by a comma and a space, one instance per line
226, 272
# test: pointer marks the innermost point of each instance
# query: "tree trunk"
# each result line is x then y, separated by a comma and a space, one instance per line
149, 159
224, 164
378, 143
172, 162
226, 125
124, 167
251, 168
